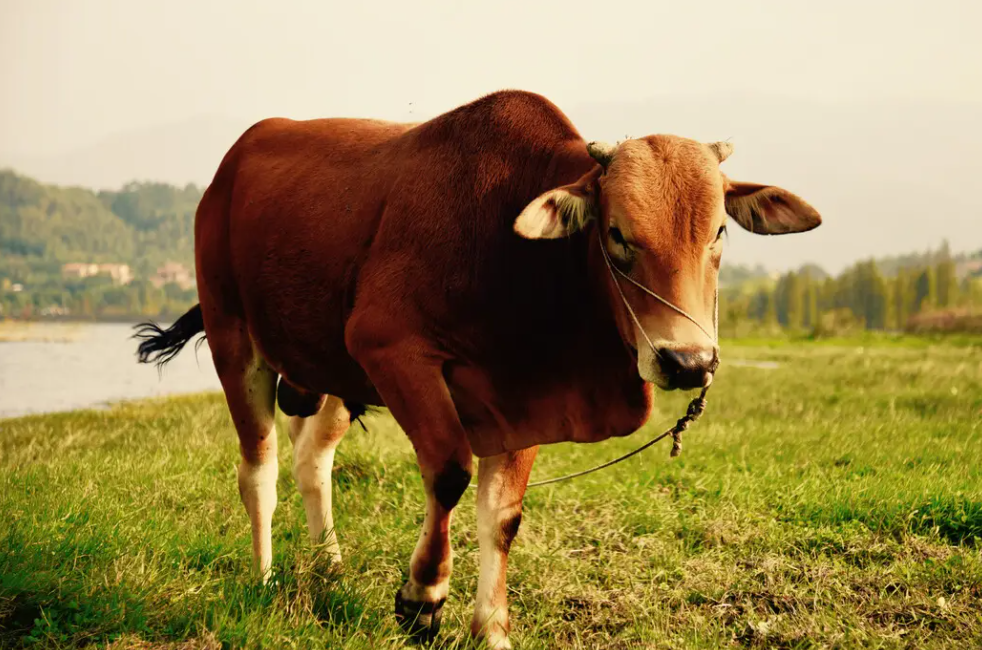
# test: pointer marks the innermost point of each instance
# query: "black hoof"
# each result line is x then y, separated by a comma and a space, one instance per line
420, 620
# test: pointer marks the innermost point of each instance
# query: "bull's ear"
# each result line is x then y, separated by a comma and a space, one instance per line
562, 211
769, 210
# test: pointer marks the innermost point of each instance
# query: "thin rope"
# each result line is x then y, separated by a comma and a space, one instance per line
634, 316
613, 269
696, 407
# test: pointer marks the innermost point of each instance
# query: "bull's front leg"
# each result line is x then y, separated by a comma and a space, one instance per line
419, 603
408, 377
502, 481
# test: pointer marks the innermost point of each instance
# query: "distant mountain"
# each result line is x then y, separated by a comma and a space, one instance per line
178, 153
888, 177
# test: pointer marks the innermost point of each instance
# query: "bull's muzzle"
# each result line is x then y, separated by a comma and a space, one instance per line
686, 368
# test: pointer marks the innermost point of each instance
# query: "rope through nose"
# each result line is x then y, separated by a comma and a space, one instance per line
697, 405
614, 270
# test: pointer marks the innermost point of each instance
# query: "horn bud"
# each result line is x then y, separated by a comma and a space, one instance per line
721, 150
602, 152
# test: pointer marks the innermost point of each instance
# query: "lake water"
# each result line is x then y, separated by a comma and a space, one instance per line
96, 367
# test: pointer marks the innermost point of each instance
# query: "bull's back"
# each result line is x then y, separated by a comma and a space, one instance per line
302, 203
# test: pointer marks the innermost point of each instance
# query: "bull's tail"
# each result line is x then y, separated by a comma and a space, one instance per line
159, 346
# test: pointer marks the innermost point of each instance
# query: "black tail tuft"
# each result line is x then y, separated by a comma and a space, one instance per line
161, 345
357, 410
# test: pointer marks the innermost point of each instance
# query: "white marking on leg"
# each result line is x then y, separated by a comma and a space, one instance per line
257, 487
501, 487
251, 394
315, 440
491, 607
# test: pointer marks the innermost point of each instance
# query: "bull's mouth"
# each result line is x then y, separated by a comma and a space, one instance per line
659, 381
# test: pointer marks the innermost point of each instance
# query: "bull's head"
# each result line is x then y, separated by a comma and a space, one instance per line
661, 205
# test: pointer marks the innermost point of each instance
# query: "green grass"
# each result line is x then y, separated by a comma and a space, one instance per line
833, 502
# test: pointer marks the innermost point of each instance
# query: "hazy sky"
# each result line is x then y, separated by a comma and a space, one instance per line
869, 109
73, 72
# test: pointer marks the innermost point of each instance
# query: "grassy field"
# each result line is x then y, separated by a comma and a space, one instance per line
833, 501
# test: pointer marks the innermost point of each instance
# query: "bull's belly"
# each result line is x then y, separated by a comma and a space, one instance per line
303, 341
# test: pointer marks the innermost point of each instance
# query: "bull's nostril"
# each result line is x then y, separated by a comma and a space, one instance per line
687, 368
672, 362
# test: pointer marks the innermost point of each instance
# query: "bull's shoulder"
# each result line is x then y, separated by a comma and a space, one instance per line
508, 117
520, 104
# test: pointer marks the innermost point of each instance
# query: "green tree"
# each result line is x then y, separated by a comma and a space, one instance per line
925, 295
874, 306
810, 292
43, 227
901, 299
761, 307
973, 291
789, 304
947, 284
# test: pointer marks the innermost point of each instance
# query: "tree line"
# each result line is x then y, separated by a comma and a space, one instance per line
927, 295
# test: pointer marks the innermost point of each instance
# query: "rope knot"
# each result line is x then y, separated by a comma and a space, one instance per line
676, 444
696, 408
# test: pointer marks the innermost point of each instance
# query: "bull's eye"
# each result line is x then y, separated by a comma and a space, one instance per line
722, 230
621, 250
617, 237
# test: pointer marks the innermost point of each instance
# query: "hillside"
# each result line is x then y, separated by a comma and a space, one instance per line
43, 227
143, 225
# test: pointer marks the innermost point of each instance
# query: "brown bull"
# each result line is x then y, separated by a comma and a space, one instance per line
454, 272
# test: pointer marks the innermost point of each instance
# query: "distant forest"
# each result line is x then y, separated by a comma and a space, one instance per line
931, 292
43, 227
148, 225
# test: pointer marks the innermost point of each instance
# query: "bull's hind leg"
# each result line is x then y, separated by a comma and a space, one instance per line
250, 390
315, 439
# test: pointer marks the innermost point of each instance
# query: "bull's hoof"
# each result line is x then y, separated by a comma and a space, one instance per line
420, 620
